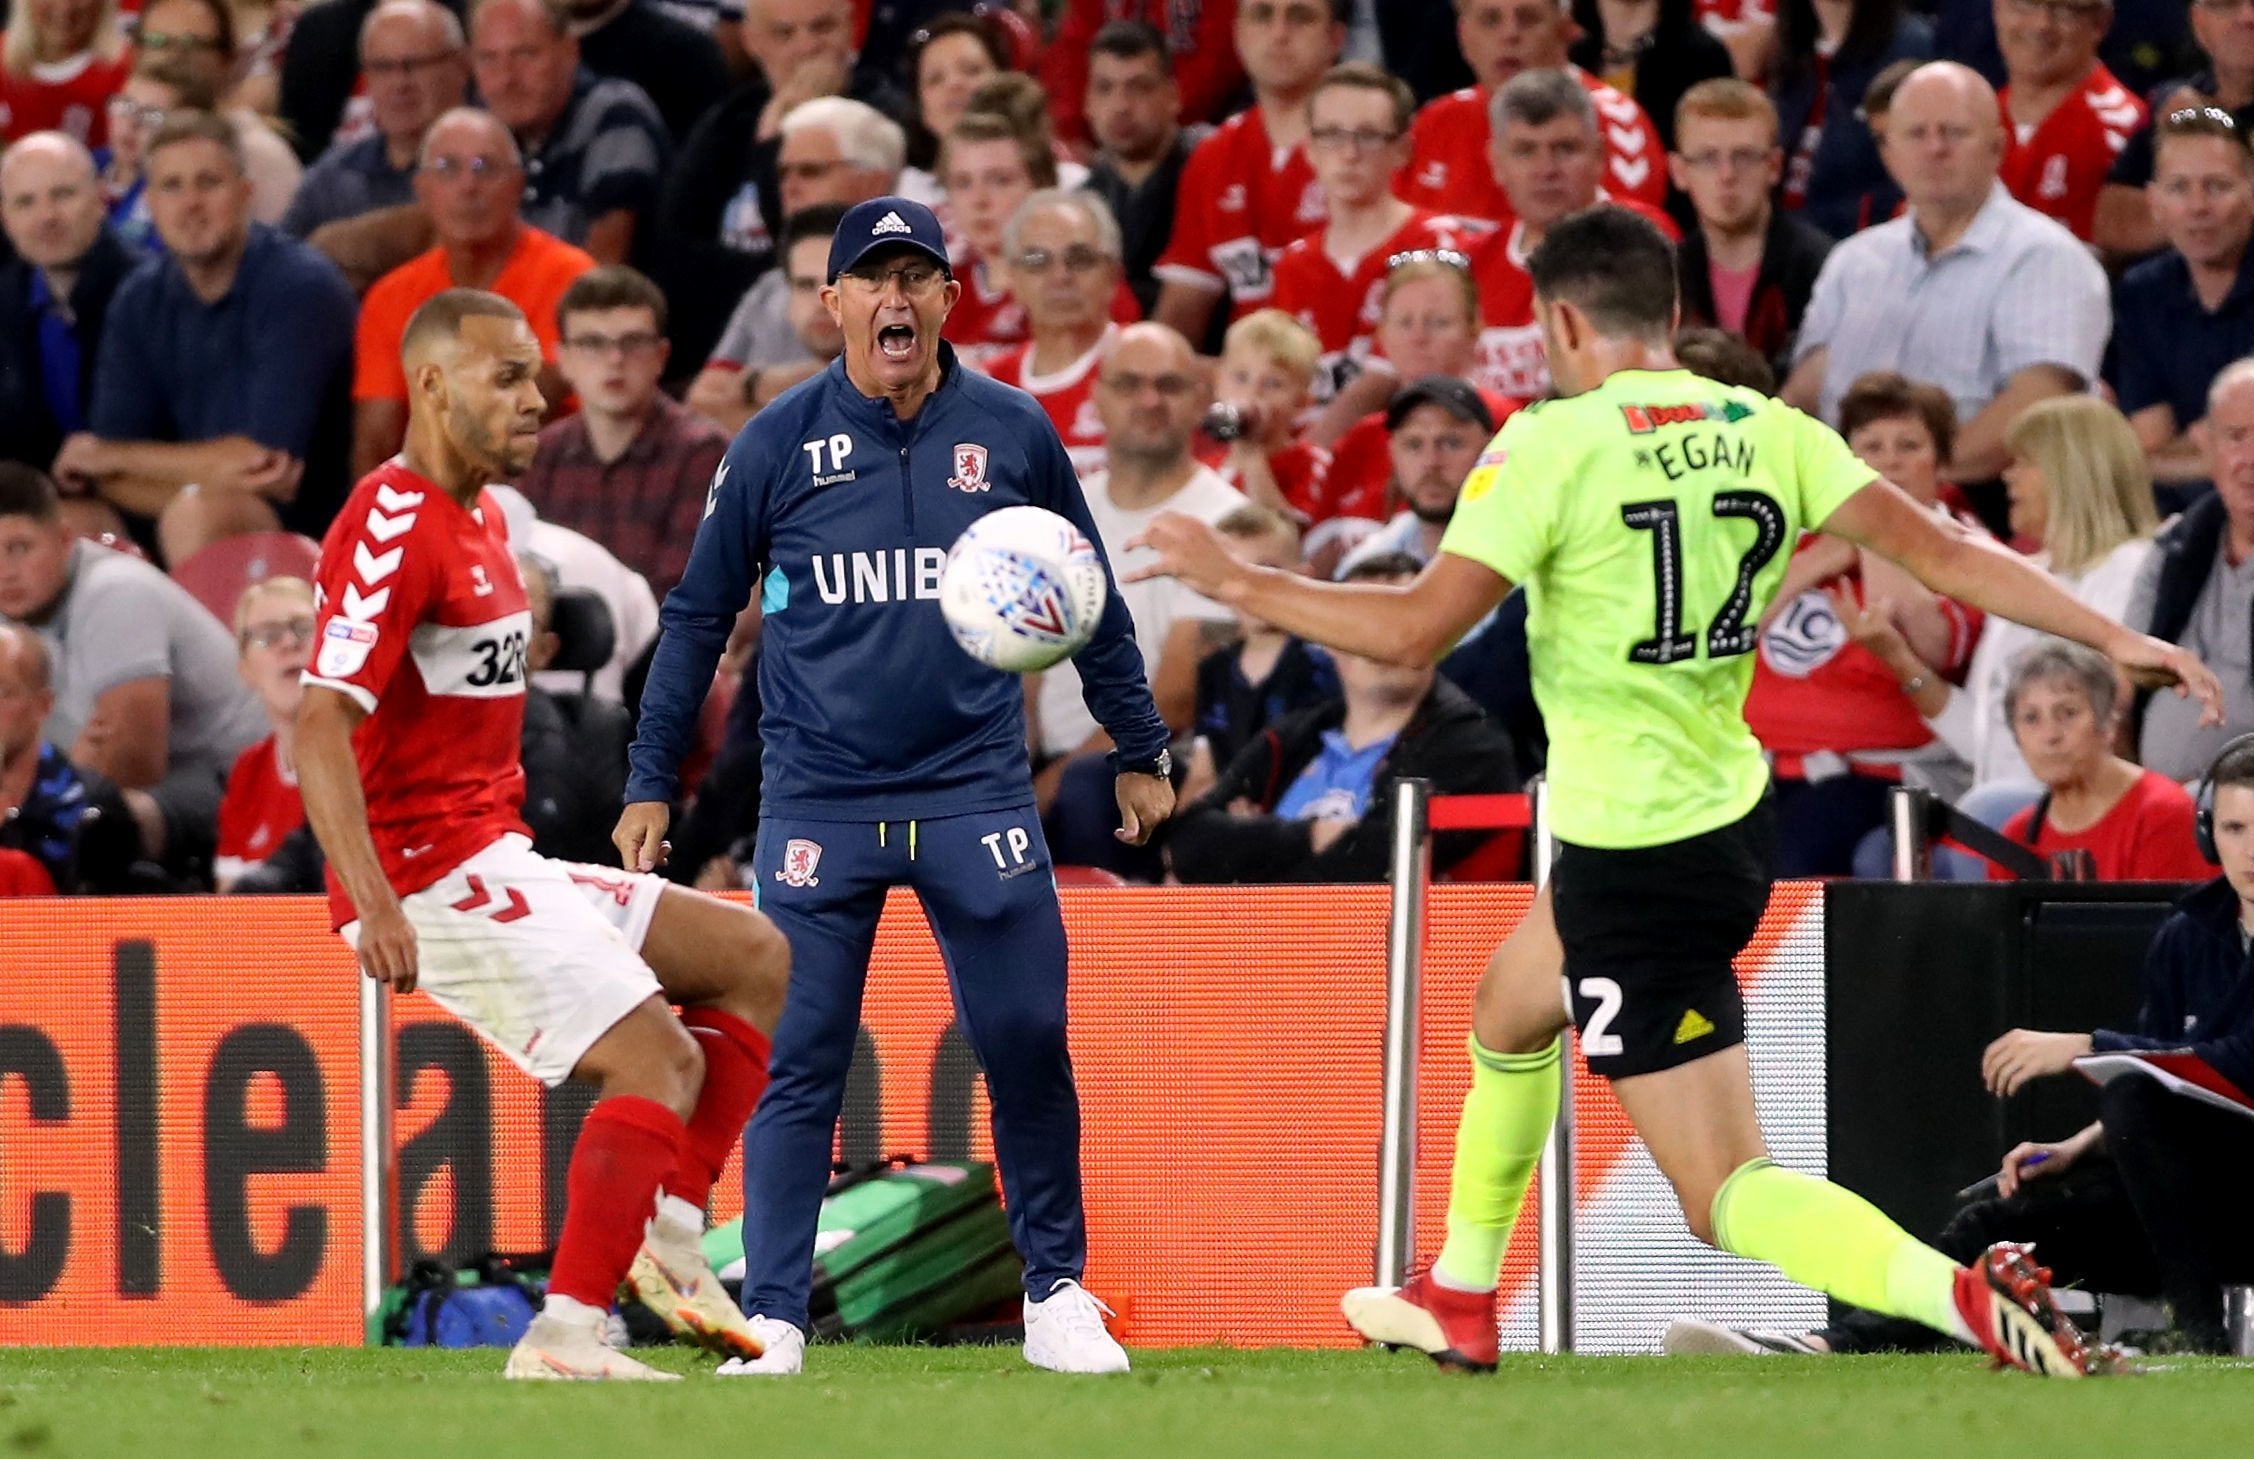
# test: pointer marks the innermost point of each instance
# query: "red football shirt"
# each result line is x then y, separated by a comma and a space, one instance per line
2147, 836
2058, 167
1511, 360
1069, 397
69, 96
1302, 471
1448, 168
423, 622
1343, 305
1241, 203
261, 806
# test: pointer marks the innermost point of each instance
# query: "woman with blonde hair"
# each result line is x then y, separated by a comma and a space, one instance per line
60, 62
2079, 486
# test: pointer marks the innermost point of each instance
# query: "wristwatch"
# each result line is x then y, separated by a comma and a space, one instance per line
1162, 767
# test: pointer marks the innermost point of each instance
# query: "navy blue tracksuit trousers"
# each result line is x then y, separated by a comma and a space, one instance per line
985, 883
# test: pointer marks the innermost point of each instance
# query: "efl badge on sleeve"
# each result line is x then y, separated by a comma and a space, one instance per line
800, 858
344, 648
970, 469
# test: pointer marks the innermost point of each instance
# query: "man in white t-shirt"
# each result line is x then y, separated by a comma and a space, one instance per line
1151, 395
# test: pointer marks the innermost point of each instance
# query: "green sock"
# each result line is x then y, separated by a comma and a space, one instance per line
1506, 1117
1827, 1237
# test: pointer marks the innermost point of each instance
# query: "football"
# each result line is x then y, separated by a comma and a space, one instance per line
1022, 589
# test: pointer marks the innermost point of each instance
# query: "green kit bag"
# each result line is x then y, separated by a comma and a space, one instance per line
902, 1251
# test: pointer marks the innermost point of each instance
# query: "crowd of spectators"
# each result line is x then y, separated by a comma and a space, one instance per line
1260, 260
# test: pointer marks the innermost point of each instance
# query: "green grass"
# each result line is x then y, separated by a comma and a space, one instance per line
985, 1404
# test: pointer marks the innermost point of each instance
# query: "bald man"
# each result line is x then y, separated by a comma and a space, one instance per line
470, 184
54, 295
1969, 289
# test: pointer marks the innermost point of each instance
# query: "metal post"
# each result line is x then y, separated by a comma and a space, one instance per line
1396, 1187
1906, 816
377, 1220
1554, 1248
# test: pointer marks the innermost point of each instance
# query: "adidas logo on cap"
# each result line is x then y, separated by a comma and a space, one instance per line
891, 223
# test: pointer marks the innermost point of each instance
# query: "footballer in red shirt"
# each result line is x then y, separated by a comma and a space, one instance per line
1449, 168
2066, 116
1248, 191
408, 761
273, 643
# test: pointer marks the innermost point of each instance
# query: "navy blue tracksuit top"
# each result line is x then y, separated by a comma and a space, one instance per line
842, 514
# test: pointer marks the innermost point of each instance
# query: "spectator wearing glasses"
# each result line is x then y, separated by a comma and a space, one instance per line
273, 644
1747, 266
416, 61
630, 468
470, 182
2181, 317
1133, 107
2070, 117
158, 87
1333, 280
199, 35
1061, 256
59, 66
54, 294
2224, 30
1249, 190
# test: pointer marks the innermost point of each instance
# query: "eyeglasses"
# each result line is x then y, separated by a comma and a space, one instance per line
162, 41
1077, 259
913, 278
126, 109
379, 66
1174, 385
274, 635
1448, 256
1360, 139
479, 168
639, 344
1737, 159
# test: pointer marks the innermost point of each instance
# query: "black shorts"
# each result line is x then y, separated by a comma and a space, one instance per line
1650, 935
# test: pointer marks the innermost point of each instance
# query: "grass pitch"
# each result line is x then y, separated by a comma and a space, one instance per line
986, 1404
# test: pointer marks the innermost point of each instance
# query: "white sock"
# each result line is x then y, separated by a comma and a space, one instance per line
678, 1221
573, 1311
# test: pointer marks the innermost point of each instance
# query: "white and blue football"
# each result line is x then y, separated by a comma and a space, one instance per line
1023, 589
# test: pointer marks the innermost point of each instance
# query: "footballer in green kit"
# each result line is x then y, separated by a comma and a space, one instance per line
1649, 513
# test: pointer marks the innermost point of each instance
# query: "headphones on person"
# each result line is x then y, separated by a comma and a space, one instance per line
2203, 801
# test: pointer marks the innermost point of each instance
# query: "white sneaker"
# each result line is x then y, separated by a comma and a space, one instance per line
556, 1349
784, 1352
1064, 1332
1688, 1337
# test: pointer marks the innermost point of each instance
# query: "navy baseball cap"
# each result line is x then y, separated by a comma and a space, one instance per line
1452, 395
886, 223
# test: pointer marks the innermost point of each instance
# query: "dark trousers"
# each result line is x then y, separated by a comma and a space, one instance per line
986, 885
2152, 1215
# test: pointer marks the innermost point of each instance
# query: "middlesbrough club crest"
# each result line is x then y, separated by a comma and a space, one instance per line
800, 857
970, 469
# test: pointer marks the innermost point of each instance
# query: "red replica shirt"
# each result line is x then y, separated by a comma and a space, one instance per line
260, 808
1343, 305
1069, 397
1816, 689
988, 322
2057, 168
1241, 203
1510, 357
423, 622
2147, 836
69, 96
1448, 168
1302, 472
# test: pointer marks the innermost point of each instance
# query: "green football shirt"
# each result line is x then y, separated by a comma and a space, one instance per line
1650, 521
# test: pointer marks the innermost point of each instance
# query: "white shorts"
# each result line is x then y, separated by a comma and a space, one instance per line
541, 957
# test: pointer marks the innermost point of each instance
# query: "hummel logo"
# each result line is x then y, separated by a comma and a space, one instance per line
890, 223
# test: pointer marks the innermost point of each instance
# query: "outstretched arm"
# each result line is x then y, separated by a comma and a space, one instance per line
1413, 623
1957, 564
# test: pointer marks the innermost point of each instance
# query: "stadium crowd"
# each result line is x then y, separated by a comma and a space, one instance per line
1260, 260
